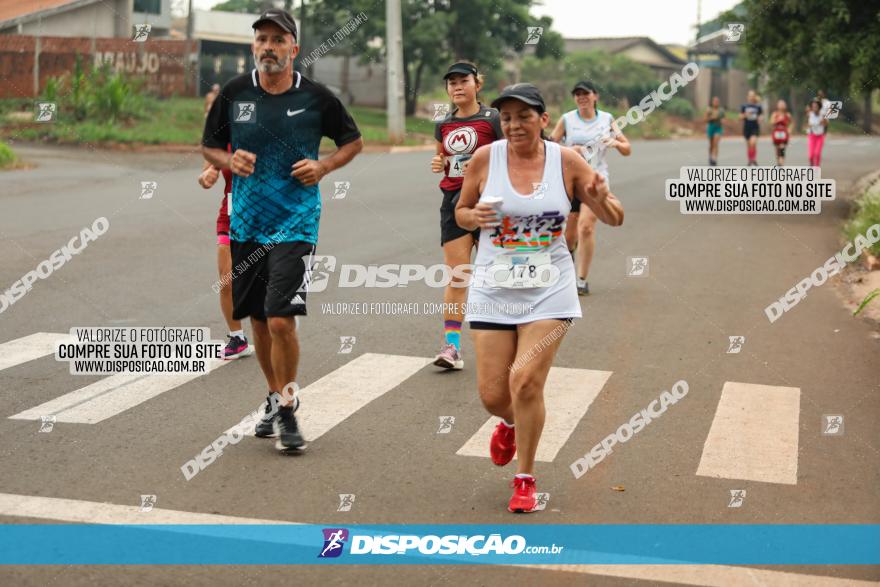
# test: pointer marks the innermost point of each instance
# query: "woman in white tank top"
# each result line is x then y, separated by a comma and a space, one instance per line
592, 132
523, 296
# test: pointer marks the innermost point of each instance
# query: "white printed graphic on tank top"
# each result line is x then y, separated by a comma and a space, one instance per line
531, 226
590, 133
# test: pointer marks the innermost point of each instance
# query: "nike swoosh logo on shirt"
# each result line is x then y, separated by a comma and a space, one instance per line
295, 112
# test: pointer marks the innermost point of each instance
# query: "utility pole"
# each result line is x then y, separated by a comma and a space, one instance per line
394, 64
189, 21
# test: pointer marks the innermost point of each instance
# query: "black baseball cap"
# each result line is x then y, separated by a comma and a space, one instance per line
586, 86
462, 68
523, 92
279, 17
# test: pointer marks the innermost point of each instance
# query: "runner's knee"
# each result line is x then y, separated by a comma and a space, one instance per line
495, 403
525, 385
281, 326
586, 226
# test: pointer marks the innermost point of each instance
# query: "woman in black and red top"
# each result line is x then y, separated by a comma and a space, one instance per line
470, 125
781, 121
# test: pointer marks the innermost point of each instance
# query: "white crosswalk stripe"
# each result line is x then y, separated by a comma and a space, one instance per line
28, 348
754, 434
110, 396
335, 397
568, 395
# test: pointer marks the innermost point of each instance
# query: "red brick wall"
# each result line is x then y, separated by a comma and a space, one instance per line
17, 66
161, 64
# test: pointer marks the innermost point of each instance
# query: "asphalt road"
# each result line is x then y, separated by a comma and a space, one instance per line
710, 277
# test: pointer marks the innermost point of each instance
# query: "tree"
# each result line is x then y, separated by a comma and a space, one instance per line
248, 6
436, 32
827, 44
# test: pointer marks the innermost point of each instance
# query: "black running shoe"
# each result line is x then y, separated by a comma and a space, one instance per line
264, 428
286, 428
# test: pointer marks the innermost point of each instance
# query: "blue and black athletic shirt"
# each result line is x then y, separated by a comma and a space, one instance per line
270, 205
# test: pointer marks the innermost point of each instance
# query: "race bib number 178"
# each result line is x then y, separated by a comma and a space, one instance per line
523, 270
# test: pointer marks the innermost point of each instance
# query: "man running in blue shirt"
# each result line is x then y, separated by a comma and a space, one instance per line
274, 119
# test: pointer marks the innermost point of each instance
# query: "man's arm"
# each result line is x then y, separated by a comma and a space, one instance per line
310, 172
343, 155
240, 163
219, 158
216, 134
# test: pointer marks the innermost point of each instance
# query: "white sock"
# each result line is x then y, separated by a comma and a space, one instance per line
581, 282
506, 423
523, 476
239, 333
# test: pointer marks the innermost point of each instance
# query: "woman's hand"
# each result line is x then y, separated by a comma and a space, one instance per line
485, 215
602, 202
598, 191
437, 164
209, 177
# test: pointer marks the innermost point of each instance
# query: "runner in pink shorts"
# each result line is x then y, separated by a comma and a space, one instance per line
237, 345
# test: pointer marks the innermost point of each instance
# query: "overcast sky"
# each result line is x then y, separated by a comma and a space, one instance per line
665, 21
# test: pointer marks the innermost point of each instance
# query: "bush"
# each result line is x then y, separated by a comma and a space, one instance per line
7, 157
679, 107
100, 94
867, 214
620, 80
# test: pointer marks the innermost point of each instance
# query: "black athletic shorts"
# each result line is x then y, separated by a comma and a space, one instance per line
270, 280
751, 129
449, 230
476, 325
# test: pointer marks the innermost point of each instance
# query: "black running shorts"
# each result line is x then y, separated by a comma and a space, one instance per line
270, 280
449, 230
475, 325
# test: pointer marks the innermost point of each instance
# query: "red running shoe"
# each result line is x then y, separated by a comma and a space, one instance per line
524, 497
502, 447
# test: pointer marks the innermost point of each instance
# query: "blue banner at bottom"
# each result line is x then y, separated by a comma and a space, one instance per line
287, 544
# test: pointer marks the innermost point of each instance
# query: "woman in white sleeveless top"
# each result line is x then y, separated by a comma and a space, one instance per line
523, 295
592, 132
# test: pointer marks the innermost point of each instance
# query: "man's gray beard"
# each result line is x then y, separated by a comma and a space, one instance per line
270, 67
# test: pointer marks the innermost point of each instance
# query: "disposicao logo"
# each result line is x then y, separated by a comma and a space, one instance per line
334, 541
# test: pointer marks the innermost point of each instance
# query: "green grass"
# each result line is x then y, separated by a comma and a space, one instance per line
867, 214
840, 126
7, 157
16, 105
871, 295
176, 120
373, 123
